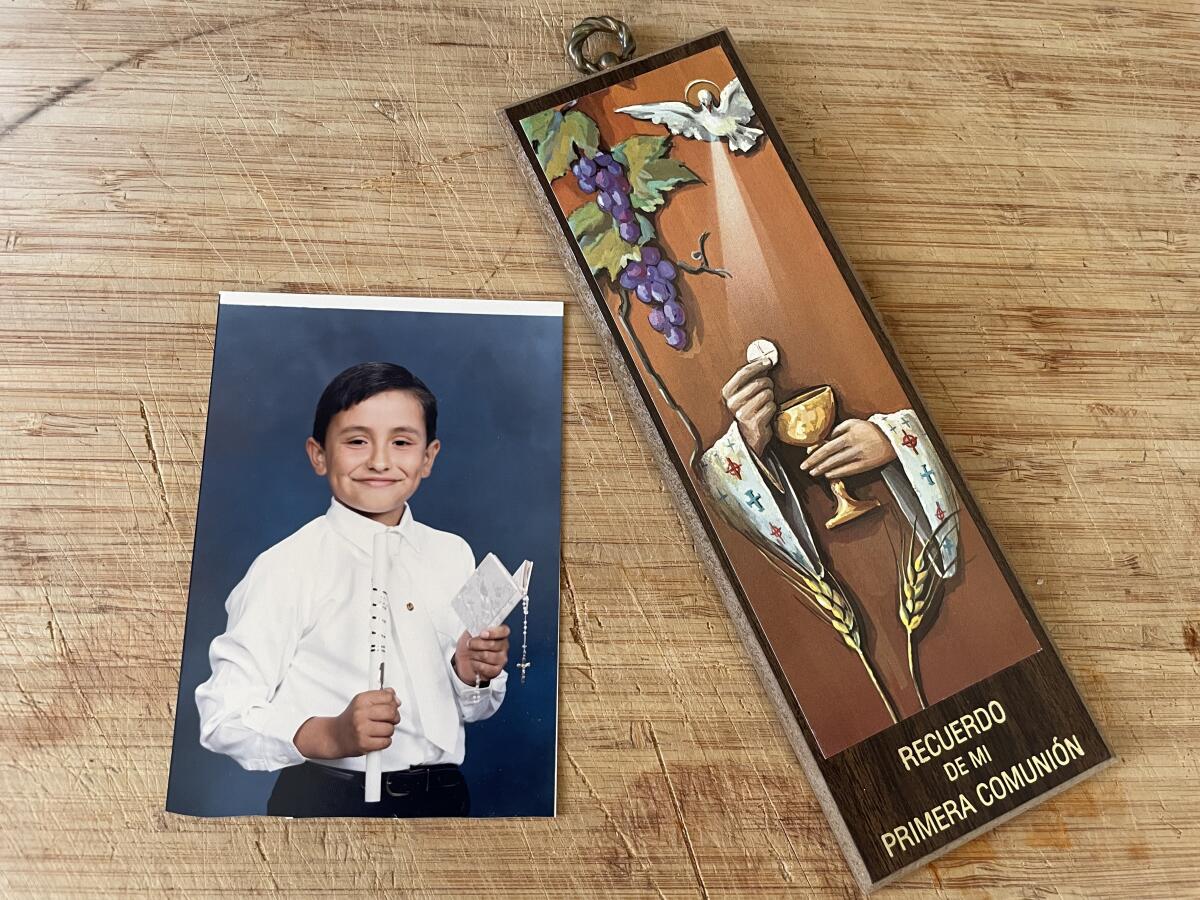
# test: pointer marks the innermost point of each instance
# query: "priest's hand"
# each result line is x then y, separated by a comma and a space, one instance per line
366, 724
484, 656
855, 446
750, 396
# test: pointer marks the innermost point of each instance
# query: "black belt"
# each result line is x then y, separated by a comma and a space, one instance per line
397, 783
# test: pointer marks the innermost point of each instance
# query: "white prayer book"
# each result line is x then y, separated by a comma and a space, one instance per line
491, 593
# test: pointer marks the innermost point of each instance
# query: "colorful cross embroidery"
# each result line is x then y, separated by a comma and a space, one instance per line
927, 473
753, 500
776, 532
941, 513
721, 495
947, 546
909, 441
733, 468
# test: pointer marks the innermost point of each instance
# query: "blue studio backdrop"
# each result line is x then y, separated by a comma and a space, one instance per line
498, 382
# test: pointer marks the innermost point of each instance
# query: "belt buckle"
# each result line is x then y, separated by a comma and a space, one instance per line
408, 773
387, 786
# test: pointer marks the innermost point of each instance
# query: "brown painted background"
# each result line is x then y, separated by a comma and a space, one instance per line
786, 287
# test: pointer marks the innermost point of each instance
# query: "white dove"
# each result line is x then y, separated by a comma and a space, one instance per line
727, 119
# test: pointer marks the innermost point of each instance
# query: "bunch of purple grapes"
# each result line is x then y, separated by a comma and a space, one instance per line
652, 280
604, 174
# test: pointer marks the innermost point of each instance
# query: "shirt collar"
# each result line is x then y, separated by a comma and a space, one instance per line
361, 531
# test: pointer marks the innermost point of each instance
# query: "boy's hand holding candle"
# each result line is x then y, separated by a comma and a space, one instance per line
365, 724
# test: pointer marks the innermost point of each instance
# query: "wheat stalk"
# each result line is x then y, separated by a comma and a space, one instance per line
836, 607
830, 603
919, 584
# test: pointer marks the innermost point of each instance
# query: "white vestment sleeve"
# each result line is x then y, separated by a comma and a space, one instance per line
237, 716
918, 481
769, 516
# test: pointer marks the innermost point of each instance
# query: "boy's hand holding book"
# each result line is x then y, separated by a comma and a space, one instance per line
482, 604
365, 724
485, 655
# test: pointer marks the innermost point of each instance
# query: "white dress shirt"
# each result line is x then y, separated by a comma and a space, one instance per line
298, 640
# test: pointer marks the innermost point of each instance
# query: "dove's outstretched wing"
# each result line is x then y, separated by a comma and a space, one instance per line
678, 117
744, 138
735, 104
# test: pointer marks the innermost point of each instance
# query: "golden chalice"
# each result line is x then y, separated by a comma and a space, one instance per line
805, 421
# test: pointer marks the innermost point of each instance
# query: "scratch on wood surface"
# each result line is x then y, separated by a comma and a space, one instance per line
683, 827
154, 461
608, 816
58, 640
577, 624
58, 94
936, 877
263, 855
387, 109
31, 701
1191, 640
779, 826
70, 662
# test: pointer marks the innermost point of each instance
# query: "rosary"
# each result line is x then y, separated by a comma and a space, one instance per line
524, 663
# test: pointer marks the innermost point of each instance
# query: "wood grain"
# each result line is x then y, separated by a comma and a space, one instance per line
1016, 187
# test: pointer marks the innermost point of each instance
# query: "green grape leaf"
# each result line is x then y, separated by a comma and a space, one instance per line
601, 243
650, 171
610, 253
588, 222
537, 126
656, 178
558, 138
634, 152
648, 232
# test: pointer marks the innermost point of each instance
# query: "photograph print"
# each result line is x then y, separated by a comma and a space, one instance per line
373, 610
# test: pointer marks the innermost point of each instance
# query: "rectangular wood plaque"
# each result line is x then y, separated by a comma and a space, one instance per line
918, 687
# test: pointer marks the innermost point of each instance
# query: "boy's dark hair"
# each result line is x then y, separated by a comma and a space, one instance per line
365, 380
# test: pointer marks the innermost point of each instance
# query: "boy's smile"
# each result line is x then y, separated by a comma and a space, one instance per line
375, 454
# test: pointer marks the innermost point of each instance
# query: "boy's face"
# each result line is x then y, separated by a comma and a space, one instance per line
375, 455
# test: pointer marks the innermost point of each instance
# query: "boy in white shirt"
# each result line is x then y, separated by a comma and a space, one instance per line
288, 673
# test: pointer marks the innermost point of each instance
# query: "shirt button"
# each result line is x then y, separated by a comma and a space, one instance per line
408, 606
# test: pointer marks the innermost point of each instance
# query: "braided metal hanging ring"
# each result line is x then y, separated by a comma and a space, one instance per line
591, 25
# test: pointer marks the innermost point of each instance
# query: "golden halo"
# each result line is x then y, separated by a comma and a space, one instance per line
688, 90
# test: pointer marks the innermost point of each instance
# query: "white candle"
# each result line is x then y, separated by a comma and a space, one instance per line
380, 624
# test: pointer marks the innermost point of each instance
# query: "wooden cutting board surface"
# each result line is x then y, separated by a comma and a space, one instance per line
1017, 186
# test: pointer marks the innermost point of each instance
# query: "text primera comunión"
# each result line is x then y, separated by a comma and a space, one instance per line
945, 815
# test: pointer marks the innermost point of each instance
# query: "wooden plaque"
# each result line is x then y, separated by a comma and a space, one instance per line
918, 687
